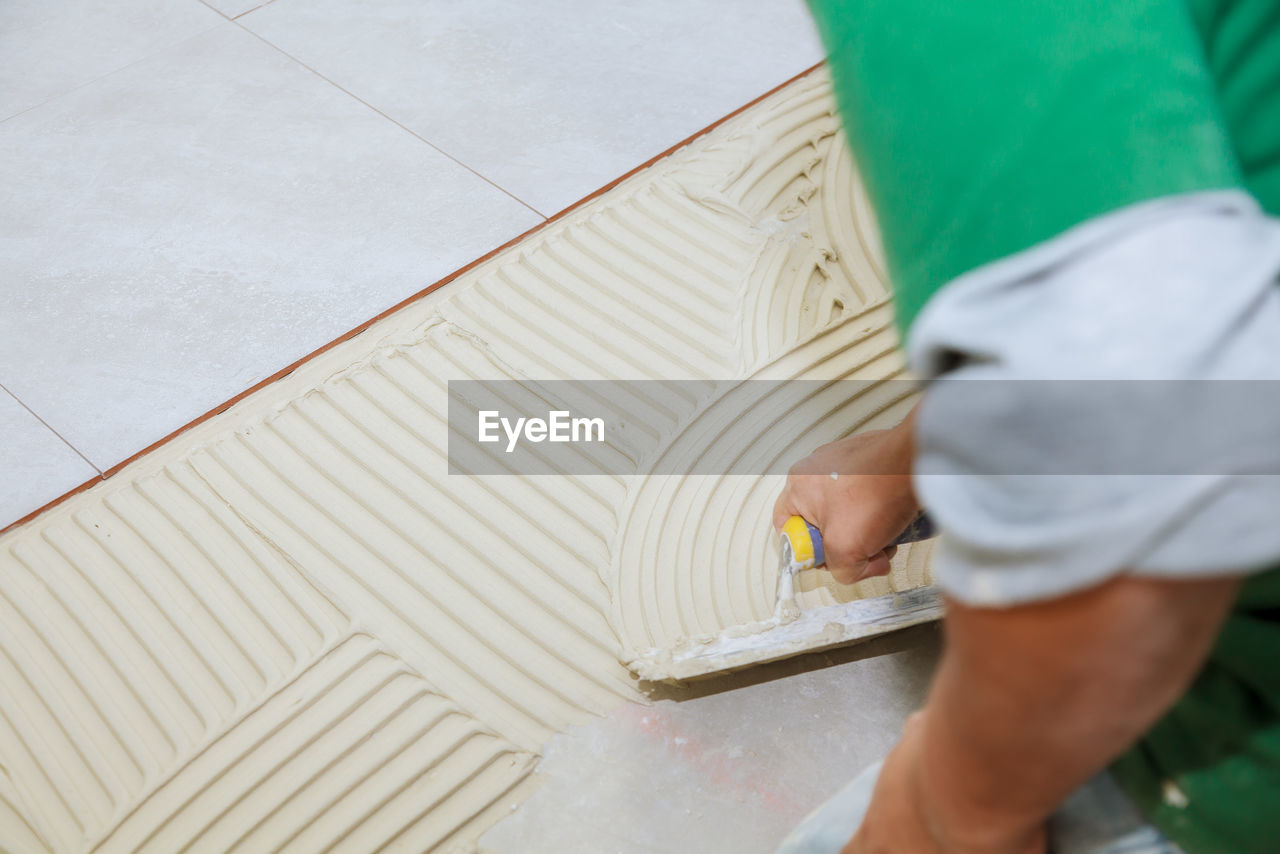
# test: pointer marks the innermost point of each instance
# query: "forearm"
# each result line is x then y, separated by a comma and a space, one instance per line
1031, 701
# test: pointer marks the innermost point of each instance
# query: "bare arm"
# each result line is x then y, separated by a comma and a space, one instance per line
1029, 702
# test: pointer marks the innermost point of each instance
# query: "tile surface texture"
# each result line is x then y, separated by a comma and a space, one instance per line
197, 221
729, 765
297, 592
236, 8
37, 466
189, 210
48, 49
548, 100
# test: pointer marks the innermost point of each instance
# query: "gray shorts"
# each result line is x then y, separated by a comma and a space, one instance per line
1106, 402
1097, 819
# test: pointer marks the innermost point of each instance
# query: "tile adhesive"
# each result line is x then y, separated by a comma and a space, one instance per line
276, 631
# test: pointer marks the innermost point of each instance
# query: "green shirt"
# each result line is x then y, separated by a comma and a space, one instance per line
983, 129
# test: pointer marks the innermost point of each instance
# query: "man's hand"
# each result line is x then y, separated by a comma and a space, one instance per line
857, 491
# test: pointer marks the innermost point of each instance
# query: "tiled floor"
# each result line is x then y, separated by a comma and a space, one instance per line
41, 461
193, 202
731, 764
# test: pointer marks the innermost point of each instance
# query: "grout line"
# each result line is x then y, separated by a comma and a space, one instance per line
239, 14
346, 336
51, 430
106, 74
398, 124
219, 11
254, 9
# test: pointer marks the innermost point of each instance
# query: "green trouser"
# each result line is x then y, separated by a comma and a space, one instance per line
1208, 774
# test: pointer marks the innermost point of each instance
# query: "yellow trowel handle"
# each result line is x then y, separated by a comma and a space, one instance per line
806, 541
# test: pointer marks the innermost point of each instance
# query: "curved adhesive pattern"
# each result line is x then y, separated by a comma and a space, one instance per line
697, 555
290, 628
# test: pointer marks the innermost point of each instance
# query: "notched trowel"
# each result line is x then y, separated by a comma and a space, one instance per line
792, 630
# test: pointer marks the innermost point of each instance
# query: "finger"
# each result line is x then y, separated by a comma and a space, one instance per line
877, 564
845, 560
847, 574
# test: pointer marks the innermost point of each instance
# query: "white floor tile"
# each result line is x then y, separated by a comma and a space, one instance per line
178, 230
235, 8
51, 47
549, 100
35, 465
729, 764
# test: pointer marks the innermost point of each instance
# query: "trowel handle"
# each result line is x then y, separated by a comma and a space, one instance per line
806, 540
921, 528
